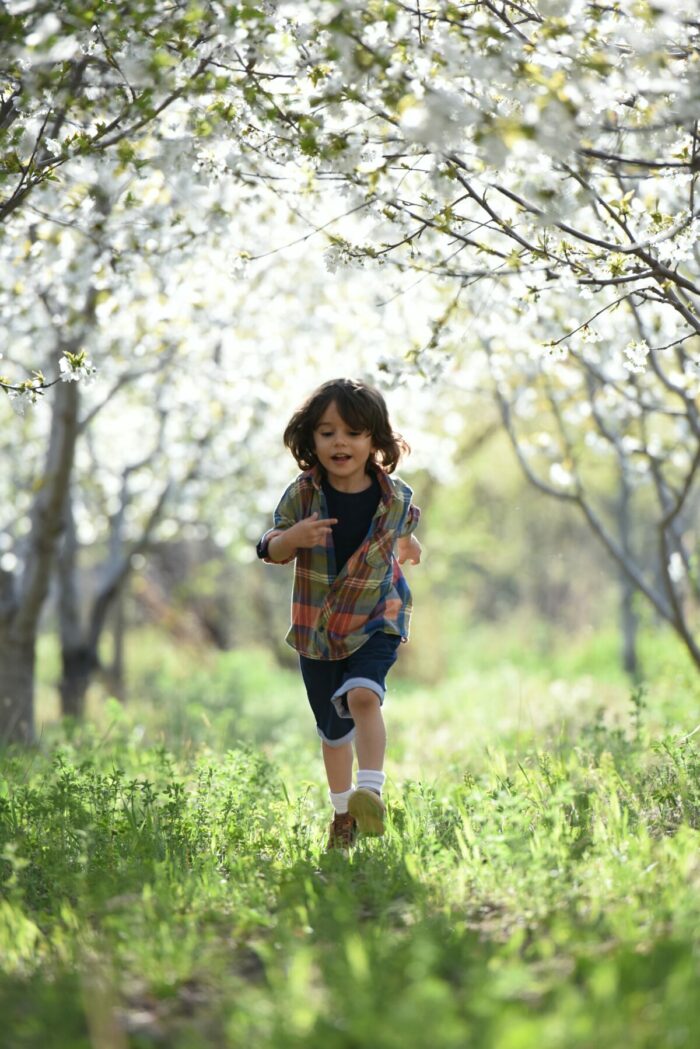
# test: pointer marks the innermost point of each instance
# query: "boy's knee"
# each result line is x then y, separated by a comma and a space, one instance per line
361, 699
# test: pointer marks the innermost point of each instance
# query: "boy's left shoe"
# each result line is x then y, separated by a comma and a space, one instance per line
369, 810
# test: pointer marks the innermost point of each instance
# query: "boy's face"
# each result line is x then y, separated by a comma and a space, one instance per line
342, 451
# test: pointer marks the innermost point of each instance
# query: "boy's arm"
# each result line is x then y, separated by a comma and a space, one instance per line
275, 547
271, 548
280, 546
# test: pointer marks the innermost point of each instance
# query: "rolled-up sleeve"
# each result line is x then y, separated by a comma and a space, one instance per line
409, 522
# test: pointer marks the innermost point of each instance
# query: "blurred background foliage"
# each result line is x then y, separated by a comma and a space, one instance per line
509, 579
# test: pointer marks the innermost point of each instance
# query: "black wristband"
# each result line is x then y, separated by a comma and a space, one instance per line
261, 548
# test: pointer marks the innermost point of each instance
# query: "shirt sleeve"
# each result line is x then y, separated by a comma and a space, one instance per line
409, 513
287, 512
410, 521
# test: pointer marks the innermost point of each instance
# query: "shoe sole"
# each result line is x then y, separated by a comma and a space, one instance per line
368, 815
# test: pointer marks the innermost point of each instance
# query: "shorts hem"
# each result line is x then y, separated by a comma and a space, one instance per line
338, 698
347, 738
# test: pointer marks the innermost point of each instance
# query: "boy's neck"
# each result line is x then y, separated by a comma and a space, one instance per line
350, 485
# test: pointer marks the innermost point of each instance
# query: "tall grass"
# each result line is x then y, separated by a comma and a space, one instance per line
165, 881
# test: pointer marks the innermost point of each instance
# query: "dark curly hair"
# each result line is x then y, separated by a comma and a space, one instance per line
361, 407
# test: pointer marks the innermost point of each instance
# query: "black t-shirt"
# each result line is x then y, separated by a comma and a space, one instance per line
354, 511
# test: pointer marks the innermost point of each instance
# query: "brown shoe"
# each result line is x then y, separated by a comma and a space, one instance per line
369, 811
342, 832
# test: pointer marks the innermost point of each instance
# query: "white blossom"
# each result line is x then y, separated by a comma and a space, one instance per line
590, 335
636, 353
82, 370
47, 27
560, 476
21, 400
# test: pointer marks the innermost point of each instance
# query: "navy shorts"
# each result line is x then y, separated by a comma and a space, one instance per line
329, 680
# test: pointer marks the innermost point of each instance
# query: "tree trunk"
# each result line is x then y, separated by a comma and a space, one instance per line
19, 624
628, 618
80, 641
628, 625
16, 689
114, 674
79, 664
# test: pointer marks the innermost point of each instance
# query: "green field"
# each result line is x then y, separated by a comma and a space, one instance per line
164, 879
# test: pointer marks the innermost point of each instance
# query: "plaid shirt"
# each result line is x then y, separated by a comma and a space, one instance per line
333, 616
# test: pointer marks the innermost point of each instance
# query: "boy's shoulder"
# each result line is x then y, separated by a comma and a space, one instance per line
305, 481
300, 486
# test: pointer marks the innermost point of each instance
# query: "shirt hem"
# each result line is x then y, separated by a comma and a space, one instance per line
336, 659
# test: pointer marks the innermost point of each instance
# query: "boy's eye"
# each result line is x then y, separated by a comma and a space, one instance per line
353, 433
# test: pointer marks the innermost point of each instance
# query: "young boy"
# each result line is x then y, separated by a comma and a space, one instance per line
349, 525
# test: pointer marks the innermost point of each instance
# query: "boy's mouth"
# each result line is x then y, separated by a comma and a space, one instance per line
340, 458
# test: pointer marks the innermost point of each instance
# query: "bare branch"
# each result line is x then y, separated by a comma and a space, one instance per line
658, 165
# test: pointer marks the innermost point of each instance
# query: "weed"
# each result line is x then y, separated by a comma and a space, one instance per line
535, 888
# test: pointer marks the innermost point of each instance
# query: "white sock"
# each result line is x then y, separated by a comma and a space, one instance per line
373, 779
340, 801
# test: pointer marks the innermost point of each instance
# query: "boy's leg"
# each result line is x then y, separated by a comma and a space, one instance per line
370, 732
321, 678
338, 762
366, 804
358, 695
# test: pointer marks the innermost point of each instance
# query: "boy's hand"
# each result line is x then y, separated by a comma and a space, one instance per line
311, 531
408, 549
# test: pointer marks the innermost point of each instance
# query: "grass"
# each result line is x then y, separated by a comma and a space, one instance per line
164, 879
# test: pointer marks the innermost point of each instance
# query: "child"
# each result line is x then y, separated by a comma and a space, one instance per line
343, 519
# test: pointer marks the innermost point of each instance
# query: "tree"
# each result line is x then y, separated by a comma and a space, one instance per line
496, 148
621, 444
80, 634
91, 103
542, 161
188, 367
87, 92
22, 594
76, 272
95, 82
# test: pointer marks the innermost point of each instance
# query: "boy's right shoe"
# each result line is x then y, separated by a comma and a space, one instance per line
368, 810
342, 832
